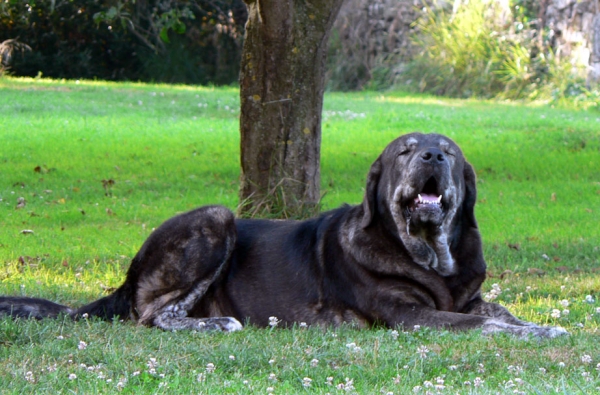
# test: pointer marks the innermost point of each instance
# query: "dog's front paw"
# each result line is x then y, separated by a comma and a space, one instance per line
523, 331
549, 332
223, 324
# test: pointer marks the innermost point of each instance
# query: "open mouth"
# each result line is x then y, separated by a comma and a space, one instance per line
429, 197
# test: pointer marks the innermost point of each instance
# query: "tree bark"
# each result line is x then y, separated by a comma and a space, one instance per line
281, 90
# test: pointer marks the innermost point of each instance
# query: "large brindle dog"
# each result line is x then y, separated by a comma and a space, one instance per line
410, 254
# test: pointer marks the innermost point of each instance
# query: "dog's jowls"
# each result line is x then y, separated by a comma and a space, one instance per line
410, 254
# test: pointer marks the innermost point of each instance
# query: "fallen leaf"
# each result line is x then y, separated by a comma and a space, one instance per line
553, 197
506, 273
533, 270
21, 202
108, 289
556, 259
589, 210
514, 246
65, 263
109, 212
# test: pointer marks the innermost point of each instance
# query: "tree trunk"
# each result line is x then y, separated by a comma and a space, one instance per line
281, 91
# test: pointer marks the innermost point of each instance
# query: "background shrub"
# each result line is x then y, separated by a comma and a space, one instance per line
155, 40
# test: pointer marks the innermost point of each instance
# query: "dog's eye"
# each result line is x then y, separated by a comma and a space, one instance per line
404, 151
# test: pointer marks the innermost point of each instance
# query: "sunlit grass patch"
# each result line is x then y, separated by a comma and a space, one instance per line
99, 165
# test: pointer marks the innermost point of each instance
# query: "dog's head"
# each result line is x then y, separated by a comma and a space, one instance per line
422, 190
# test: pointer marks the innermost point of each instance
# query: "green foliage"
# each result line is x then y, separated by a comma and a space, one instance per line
481, 50
168, 149
171, 41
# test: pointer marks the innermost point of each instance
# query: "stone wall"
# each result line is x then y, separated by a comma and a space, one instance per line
576, 25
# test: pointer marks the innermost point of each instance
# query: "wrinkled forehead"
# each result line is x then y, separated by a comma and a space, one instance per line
416, 141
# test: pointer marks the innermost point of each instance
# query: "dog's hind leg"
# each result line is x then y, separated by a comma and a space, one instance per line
176, 266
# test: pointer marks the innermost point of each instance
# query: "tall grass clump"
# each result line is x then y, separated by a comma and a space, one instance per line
478, 48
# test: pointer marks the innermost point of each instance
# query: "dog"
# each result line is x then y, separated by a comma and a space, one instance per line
410, 254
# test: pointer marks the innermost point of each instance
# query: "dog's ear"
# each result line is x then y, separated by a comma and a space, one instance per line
468, 207
370, 201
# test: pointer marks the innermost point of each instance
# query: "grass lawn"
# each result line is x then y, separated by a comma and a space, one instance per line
88, 169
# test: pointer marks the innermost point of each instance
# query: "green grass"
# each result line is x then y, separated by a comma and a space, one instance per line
538, 210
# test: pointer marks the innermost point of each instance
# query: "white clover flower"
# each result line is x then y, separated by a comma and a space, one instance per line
394, 334
232, 357
564, 303
542, 370
314, 363
565, 312
478, 382
82, 345
555, 313
210, 368
452, 367
270, 389
121, 383
416, 328
306, 382
349, 384
353, 347
416, 388
586, 376
303, 325
273, 321
29, 377
272, 377
494, 293
329, 381
561, 365
597, 310
586, 358
422, 351
72, 376
589, 299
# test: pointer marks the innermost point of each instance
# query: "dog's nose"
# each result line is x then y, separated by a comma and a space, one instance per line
432, 155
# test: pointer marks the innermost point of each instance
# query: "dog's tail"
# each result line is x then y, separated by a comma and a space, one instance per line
109, 307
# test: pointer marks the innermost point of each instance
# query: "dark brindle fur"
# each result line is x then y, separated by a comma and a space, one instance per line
393, 260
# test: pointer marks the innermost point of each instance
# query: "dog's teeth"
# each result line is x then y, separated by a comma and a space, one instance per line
420, 198
439, 200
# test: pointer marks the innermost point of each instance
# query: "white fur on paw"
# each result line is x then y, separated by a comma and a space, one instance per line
555, 331
233, 325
